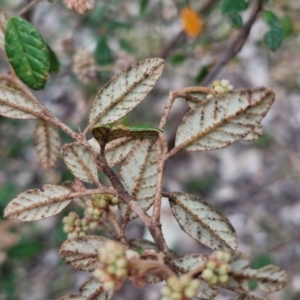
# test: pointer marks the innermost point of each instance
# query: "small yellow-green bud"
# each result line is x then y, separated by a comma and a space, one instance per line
103, 204
224, 83
207, 274
166, 291
223, 269
90, 211
114, 200
211, 265
219, 89
82, 233
109, 286
121, 272
176, 296
111, 269
223, 278
214, 279
121, 263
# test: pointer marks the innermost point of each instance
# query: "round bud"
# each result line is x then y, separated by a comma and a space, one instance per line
103, 204
219, 89
176, 296
207, 274
223, 278
211, 265
114, 200
166, 291
121, 273
90, 211
223, 269
224, 83
109, 286
111, 269
121, 263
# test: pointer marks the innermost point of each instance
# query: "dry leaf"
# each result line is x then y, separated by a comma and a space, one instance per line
82, 252
138, 175
81, 162
47, 143
91, 289
189, 262
16, 105
125, 91
35, 205
203, 222
224, 119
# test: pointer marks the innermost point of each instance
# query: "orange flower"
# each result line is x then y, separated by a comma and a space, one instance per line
191, 22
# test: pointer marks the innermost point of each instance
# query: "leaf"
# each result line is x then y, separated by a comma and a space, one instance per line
91, 289
254, 134
143, 6
118, 150
72, 297
81, 162
125, 91
229, 7
54, 62
273, 38
81, 201
105, 133
16, 105
271, 19
47, 143
139, 245
3, 22
220, 121
189, 262
203, 222
82, 252
270, 278
138, 175
248, 297
35, 205
103, 54
286, 23
236, 21
27, 52
177, 59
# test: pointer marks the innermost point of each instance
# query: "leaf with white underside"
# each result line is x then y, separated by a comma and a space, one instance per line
92, 289
3, 22
138, 175
140, 245
47, 143
193, 99
189, 262
35, 205
224, 119
72, 297
248, 297
82, 252
16, 105
203, 222
125, 91
81, 162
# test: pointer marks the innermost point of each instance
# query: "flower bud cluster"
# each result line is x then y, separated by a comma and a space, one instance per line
180, 288
217, 268
80, 6
74, 226
84, 66
99, 203
222, 86
114, 266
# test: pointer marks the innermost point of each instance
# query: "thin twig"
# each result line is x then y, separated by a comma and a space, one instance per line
28, 7
113, 220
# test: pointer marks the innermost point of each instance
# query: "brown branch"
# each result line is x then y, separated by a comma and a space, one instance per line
28, 7
113, 220
181, 36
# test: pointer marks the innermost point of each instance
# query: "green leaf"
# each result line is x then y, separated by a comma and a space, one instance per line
104, 132
103, 54
287, 26
236, 21
202, 74
143, 6
54, 62
273, 38
271, 19
231, 7
27, 52
127, 46
177, 59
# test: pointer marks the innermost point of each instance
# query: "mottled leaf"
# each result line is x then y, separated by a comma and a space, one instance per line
254, 134
27, 52
190, 262
47, 143
81, 162
82, 252
35, 205
3, 22
140, 245
91, 289
125, 91
105, 133
224, 119
138, 175
16, 105
203, 222
248, 297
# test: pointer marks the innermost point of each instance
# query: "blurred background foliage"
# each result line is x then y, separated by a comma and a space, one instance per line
255, 184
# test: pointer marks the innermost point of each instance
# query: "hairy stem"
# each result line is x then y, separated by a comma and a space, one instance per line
28, 7
112, 218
